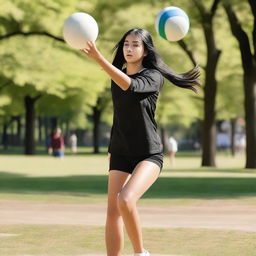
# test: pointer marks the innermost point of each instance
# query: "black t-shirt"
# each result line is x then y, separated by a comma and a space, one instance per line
134, 130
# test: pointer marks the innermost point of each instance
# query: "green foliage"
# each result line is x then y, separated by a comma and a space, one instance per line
36, 65
4, 100
64, 78
229, 76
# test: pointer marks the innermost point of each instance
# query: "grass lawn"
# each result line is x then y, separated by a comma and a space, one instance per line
83, 179
58, 240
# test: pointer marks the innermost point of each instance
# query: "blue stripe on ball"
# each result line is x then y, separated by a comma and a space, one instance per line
165, 16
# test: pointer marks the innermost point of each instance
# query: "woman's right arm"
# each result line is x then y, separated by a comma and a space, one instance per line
121, 79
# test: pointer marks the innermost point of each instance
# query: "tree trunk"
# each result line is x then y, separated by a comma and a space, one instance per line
199, 133
210, 90
67, 130
46, 128
209, 140
96, 128
54, 123
12, 137
5, 136
19, 130
30, 147
232, 136
249, 67
40, 129
250, 117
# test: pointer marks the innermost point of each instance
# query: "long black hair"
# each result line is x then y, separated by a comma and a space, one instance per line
187, 80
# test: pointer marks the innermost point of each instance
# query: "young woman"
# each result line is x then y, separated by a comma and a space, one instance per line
135, 149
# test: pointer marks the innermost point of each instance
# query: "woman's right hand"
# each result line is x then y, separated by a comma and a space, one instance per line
91, 51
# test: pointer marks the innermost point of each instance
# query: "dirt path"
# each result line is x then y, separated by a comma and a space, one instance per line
127, 255
211, 216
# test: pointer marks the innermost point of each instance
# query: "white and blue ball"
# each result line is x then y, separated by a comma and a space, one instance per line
172, 23
79, 28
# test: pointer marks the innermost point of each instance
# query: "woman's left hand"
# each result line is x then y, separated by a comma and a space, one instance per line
91, 51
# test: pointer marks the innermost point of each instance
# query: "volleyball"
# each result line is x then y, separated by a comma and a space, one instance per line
172, 23
79, 28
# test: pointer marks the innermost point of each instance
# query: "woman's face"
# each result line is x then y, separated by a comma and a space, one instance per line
133, 49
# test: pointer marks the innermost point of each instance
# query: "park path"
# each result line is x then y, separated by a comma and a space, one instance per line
213, 215
127, 255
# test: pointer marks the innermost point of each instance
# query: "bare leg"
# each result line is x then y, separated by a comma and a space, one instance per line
144, 175
114, 234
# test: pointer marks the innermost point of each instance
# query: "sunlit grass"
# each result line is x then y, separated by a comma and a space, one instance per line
61, 240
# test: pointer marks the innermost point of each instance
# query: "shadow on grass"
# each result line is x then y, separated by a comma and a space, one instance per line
212, 169
164, 187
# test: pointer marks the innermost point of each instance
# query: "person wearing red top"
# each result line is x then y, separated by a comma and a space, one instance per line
57, 145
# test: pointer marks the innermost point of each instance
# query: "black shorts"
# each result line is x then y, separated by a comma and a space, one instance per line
128, 163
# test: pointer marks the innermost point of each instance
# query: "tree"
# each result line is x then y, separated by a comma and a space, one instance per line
229, 82
53, 71
249, 68
210, 87
10, 111
97, 111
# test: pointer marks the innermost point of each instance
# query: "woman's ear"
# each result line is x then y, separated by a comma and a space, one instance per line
145, 53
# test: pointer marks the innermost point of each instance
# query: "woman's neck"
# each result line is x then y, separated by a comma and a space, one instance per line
133, 68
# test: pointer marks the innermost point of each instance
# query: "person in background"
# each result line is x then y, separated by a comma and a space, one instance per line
57, 145
172, 149
240, 143
73, 142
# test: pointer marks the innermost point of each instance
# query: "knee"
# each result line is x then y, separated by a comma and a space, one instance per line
125, 201
113, 211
